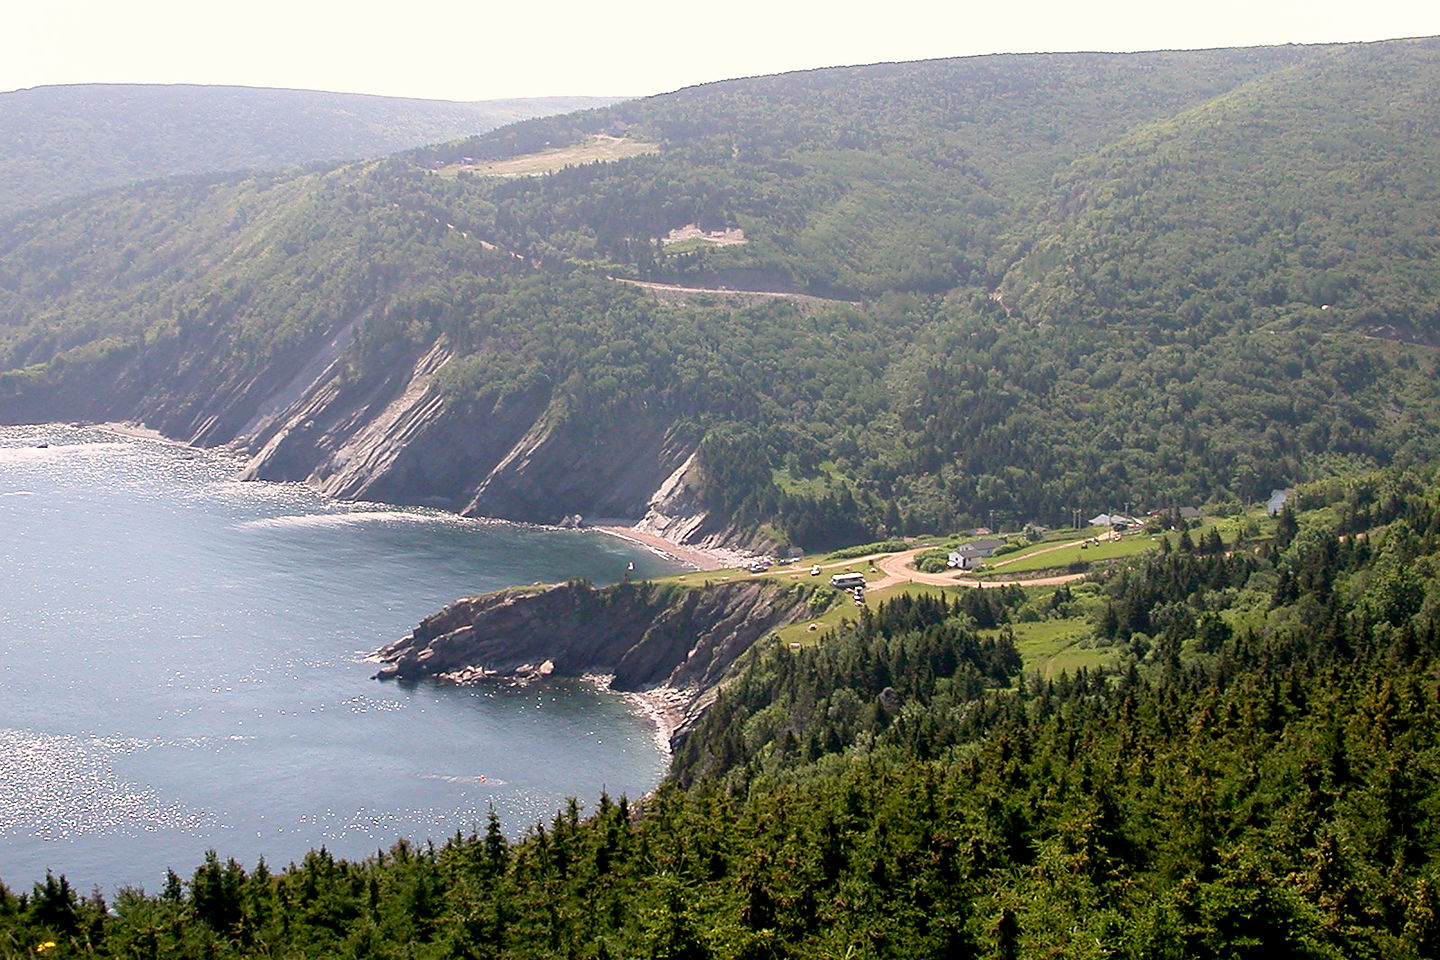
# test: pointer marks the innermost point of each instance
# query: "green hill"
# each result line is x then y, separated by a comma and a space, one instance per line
991, 289
63, 141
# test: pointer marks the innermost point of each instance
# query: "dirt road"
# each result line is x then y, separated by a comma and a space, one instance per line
895, 567
897, 570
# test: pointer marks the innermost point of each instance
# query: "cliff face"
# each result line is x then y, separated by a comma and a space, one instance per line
393, 435
677, 513
311, 323
400, 439
646, 636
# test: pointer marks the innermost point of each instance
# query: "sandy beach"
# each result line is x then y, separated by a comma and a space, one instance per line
131, 428
695, 557
690, 556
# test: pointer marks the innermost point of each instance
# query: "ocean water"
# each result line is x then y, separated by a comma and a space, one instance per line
181, 668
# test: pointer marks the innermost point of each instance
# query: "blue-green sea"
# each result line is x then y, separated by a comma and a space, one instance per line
181, 668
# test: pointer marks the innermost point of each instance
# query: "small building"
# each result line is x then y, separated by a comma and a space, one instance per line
966, 558
1277, 501
985, 547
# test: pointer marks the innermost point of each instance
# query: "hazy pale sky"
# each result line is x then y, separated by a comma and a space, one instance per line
484, 50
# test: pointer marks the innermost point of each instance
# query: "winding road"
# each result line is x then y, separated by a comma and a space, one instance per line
897, 569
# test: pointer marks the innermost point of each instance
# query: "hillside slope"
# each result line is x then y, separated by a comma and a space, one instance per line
63, 141
1046, 282
1258, 778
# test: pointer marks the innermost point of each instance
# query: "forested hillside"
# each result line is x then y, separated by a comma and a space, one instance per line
1259, 778
992, 290
64, 141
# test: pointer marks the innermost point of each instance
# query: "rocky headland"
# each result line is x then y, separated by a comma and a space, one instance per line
670, 642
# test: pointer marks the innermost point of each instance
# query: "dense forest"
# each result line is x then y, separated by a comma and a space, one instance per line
1259, 776
1031, 284
64, 141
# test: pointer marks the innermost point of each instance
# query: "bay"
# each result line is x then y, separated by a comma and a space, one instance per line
181, 668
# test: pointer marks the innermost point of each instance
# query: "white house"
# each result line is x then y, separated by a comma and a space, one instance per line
966, 558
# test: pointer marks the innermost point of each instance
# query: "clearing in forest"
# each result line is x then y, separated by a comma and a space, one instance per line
599, 148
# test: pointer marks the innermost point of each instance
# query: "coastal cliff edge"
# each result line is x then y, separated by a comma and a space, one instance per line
673, 642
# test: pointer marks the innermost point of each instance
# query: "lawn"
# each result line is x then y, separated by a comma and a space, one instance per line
1043, 556
845, 609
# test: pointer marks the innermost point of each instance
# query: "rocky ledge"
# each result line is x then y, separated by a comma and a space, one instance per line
646, 637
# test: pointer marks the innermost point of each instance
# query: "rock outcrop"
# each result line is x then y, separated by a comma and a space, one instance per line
395, 435
676, 512
400, 439
645, 636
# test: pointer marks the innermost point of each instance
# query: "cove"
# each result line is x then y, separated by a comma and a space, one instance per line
181, 668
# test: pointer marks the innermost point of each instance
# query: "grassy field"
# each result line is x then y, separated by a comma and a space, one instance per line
688, 246
1042, 556
1047, 647
845, 609
1052, 647
591, 150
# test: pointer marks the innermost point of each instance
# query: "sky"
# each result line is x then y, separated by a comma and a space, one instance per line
484, 50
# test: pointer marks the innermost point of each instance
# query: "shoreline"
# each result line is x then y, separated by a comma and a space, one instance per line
662, 706
698, 558
136, 431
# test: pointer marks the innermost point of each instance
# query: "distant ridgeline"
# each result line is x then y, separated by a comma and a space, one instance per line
987, 290
1257, 778
64, 141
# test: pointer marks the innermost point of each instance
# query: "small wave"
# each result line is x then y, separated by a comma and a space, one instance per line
478, 779
309, 521
18, 493
56, 450
365, 705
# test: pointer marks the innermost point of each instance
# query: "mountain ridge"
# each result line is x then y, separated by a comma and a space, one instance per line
1051, 306
68, 140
